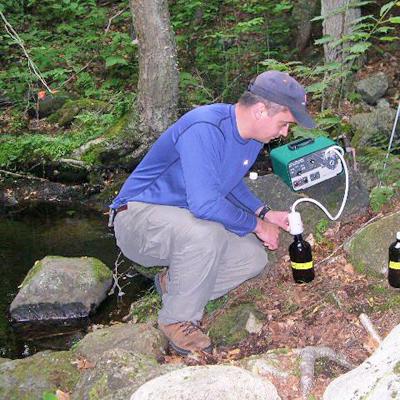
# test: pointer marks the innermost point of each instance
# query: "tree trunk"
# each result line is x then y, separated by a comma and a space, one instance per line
338, 19
336, 24
158, 73
303, 12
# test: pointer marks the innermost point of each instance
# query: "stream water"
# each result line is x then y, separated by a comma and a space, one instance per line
35, 232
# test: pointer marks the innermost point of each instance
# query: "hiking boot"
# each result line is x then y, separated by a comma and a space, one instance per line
186, 337
160, 282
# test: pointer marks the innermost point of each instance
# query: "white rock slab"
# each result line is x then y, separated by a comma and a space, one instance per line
377, 378
213, 382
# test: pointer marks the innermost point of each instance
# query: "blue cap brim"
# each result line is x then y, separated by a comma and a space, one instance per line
303, 118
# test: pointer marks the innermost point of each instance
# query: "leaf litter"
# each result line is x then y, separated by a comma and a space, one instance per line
324, 314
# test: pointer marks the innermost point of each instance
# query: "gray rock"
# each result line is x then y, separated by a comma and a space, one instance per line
373, 88
374, 128
138, 338
377, 378
61, 288
217, 382
118, 371
253, 324
272, 190
368, 249
30, 377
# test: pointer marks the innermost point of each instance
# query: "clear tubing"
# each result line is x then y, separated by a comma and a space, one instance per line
339, 151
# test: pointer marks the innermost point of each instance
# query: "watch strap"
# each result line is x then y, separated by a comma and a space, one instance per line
264, 211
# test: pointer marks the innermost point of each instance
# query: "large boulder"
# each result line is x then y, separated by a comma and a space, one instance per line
377, 378
374, 128
117, 374
61, 288
368, 249
138, 338
31, 377
217, 382
373, 88
272, 190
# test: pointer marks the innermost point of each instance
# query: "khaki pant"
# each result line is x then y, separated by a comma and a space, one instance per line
205, 260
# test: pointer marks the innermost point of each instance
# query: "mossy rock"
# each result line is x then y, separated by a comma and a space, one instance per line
119, 371
368, 249
230, 327
61, 288
66, 114
31, 377
139, 338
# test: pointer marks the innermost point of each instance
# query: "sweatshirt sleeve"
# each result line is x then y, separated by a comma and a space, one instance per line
243, 196
200, 149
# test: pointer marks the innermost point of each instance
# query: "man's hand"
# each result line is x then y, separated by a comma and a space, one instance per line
268, 233
279, 218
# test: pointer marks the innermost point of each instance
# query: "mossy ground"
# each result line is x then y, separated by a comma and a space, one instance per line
229, 328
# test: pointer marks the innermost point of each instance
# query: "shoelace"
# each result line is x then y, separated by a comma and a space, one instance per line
189, 327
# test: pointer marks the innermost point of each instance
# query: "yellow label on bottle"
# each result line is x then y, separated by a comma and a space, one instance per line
394, 265
306, 265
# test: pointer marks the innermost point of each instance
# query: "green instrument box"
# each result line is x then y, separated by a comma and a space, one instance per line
305, 162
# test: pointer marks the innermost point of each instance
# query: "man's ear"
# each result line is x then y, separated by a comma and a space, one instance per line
258, 110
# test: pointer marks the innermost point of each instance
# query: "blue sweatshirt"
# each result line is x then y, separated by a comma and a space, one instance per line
199, 163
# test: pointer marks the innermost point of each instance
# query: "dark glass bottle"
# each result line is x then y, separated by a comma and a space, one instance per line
394, 263
301, 259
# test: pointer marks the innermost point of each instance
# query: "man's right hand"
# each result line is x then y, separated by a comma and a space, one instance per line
268, 233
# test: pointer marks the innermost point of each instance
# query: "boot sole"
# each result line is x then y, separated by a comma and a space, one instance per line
183, 352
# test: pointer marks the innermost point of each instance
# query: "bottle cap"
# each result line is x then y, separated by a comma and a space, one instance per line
398, 235
253, 176
295, 223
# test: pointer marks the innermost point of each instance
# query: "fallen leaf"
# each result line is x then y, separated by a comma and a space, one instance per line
349, 268
82, 363
62, 395
310, 239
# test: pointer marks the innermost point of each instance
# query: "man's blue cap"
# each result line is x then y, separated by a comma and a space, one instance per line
281, 88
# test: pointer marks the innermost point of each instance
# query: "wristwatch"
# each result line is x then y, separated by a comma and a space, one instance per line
263, 211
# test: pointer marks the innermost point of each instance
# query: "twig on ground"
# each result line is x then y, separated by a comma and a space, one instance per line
308, 357
24, 176
32, 66
369, 327
114, 16
77, 72
116, 276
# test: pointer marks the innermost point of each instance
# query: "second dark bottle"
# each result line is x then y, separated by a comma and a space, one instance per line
394, 263
301, 260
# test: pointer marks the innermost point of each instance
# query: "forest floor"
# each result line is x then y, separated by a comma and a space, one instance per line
324, 312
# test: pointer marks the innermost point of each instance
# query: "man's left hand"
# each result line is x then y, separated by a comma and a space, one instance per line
279, 218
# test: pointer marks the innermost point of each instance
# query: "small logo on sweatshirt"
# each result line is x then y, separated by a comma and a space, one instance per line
246, 162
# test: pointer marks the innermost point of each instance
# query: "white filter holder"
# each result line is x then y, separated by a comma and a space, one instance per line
295, 223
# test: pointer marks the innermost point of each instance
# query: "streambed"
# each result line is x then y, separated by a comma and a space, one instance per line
36, 231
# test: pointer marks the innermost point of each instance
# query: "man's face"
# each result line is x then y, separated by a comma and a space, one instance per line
272, 127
